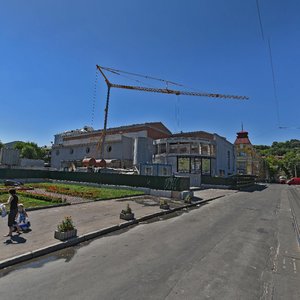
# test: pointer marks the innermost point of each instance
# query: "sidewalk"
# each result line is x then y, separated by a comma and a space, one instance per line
88, 217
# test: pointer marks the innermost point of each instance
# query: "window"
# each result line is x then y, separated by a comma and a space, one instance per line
164, 171
228, 160
184, 148
148, 170
221, 173
212, 167
163, 148
212, 150
183, 164
71, 151
194, 148
173, 148
241, 167
196, 165
204, 150
108, 148
206, 166
87, 150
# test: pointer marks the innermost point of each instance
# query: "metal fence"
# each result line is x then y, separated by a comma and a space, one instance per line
153, 182
234, 182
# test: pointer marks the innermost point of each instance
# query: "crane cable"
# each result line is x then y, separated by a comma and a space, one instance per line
135, 80
117, 72
177, 113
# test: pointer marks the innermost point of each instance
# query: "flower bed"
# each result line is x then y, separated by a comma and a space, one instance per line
88, 192
42, 197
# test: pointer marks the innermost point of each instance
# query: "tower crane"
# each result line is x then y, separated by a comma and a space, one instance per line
148, 89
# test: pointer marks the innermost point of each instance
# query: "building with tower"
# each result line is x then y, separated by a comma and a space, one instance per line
248, 161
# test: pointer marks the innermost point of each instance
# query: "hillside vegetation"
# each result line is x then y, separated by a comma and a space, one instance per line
281, 158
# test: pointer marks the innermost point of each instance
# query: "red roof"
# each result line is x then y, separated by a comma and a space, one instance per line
242, 138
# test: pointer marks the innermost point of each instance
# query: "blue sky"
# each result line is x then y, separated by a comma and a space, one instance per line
49, 50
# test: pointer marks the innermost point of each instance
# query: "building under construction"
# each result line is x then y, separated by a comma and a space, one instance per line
199, 153
138, 145
124, 146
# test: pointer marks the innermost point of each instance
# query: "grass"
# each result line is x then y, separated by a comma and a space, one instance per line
28, 201
95, 193
40, 200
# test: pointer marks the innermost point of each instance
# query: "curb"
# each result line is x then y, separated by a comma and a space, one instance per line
46, 207
91, 235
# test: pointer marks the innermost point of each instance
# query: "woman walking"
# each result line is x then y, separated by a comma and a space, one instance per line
13, 210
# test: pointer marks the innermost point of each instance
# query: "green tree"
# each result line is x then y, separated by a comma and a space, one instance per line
274, 165
31, 150
291, 163
282, 158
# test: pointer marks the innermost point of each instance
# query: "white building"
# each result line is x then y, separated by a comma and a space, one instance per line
196, 152
130, 145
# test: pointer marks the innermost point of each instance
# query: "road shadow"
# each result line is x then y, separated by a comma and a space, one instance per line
254, 188
16, 239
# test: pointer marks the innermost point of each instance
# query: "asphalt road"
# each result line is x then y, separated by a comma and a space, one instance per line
238, 247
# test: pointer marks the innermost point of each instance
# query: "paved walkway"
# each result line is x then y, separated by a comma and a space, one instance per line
87, 217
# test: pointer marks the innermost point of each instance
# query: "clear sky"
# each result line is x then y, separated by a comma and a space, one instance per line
49, 50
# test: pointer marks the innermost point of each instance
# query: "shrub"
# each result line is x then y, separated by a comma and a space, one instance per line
128, 210
188, 199
66, 225
163, 202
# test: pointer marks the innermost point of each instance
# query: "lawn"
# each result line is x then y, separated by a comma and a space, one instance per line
40, 200
28, 201
89, 192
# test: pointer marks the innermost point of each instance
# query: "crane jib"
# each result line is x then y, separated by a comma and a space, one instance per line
176, 92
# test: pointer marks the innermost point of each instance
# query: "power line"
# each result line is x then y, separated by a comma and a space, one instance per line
274, 82
259, 18
272, 69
